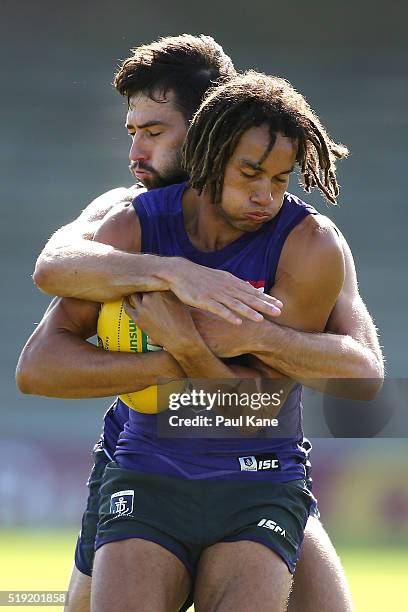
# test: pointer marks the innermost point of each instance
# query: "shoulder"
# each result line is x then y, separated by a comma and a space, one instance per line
103, 204
315, 236
313, 248
120, 228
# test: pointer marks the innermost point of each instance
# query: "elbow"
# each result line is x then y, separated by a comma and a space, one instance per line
44, 276
25, 378
31, 379
372, 381
371, 389
47, 276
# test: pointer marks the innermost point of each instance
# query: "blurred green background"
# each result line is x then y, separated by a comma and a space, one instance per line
63, 143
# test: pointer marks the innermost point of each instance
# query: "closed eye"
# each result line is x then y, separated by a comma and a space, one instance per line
147, 132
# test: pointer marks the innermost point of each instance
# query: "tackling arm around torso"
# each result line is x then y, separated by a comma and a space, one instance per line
71, 265
57, 360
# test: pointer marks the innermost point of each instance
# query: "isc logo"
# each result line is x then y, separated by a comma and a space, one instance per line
269, 524
268, 464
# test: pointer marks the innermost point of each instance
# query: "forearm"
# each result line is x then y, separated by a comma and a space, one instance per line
317, 359
98, 272
198, 361
73, 368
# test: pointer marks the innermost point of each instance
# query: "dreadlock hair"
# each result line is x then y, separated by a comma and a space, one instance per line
251, 100
188, 65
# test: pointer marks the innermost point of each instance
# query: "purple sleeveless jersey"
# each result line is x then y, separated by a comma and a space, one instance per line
252, 257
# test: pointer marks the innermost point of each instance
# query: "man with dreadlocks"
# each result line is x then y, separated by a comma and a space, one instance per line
241, 148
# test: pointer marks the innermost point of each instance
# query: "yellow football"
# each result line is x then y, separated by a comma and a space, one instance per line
118, 332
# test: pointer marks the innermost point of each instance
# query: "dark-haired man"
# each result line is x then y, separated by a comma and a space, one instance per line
146, 161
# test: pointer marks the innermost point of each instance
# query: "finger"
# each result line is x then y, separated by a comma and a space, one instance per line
273, 308
134, 300
130, 309
244, 310
258, 302
270, 299
222, 311
253, 308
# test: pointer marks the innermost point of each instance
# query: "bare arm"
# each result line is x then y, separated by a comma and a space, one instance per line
57, 361
159, 312
104, 270
169, 323
351, 318
71, 260
349, 350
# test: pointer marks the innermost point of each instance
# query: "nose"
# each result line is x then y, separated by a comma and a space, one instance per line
138, 151
262, 195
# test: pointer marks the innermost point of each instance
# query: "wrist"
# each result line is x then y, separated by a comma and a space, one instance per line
169, 367
187, 351
251, 339
168, 270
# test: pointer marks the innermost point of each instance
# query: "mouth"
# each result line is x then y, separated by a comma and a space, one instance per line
258, 216
140, 173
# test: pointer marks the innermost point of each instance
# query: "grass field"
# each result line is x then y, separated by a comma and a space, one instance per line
31, 560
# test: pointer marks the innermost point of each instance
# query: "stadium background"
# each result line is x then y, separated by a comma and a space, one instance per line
63, 143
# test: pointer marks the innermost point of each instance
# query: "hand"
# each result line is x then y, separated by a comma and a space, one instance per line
220, 293
165, 319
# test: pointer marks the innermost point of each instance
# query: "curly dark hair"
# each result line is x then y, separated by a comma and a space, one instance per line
188, 65
251, 100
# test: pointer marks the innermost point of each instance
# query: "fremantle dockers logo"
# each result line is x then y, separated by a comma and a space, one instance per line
248, 464
122, 502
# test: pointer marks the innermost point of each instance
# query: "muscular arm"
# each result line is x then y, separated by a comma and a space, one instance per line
57, 361
351, 350
159, 312
78, 262
75, 264
71, 261
348, 349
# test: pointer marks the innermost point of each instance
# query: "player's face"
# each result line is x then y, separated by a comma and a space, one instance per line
253, 193
157, 130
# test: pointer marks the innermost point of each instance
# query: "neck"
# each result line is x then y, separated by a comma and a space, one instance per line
205, 225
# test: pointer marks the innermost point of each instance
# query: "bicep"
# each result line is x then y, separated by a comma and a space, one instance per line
350, 316
309, 279
121, 229
68, 314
